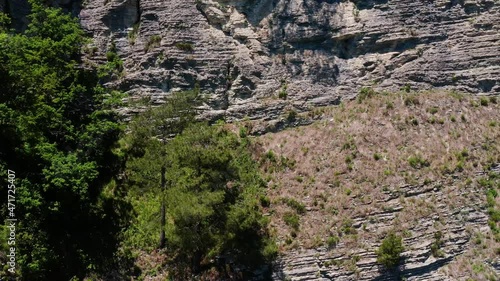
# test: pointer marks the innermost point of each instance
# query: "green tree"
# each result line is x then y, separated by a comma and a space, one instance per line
212, 199
146, 144
389, 253
58, 132
4, 22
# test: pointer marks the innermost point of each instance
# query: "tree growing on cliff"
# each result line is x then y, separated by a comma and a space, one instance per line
389, 253
211, 200
149, 134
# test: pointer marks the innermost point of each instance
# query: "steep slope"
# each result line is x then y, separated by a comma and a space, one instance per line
419, 165
267, 60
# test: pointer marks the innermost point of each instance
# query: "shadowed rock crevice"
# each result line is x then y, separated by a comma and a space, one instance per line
402, 272
18, 10
122, 15
368, 4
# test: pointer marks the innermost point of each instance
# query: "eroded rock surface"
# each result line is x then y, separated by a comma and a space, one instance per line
353, 175
245, 53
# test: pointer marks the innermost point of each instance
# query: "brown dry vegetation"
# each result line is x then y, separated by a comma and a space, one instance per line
388, 162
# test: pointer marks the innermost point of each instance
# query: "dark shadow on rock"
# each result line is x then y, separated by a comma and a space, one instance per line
122, 16
486, 85
354, 45
18, 10
399, 273
368, 4
279, 274
256, 10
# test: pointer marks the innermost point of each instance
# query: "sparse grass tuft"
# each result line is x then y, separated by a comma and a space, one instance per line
291, 116
265, 201
406, 88
332, 241
411, 100
153, 42
418, 162
292, 220
184, 46
294, 204
437, 244
389, 105
366, 93
283, 94
132, 35
432, 110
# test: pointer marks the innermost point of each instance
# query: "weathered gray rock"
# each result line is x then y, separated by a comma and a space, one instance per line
245, 52
418, 263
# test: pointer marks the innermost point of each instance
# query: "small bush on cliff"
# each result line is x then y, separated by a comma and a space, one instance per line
292, 220
153, 42
411, 100
187, 47
417, 162
114, 64
437, 244
132, 35
366, 93
389, 253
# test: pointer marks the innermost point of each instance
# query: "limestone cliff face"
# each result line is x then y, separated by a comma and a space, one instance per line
243, 53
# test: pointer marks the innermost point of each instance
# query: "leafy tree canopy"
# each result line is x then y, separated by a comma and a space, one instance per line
57, 132
212, 197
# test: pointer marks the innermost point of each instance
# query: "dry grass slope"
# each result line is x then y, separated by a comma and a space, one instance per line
405, 162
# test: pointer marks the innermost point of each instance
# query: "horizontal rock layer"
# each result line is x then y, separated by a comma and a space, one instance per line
243, 54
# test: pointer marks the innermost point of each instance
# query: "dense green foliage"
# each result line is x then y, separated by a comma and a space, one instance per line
389, 253
145, 147
192, 187
57, 133
212, 192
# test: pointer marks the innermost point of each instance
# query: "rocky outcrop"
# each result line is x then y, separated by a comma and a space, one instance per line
419, 262
352, 173
243, 53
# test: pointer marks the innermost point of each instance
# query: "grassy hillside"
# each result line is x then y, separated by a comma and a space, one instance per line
420, 165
